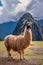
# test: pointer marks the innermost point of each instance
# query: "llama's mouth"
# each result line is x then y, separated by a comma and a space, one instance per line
28, 27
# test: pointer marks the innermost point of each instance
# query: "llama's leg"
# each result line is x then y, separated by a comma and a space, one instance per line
9, 54
8, 50
22, 55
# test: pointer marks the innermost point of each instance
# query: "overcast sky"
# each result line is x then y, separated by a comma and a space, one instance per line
14, 9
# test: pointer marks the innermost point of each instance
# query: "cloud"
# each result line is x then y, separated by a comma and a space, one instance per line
10, 5
36, 8
11, 8
22, 6
14, 9
1, 8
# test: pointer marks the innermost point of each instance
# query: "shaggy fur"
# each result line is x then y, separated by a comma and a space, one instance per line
18, 43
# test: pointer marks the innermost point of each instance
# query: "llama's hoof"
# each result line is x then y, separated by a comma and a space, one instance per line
21, 59
9, 57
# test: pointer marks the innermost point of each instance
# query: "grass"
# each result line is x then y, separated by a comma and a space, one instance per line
35, 44
2, 47
38, 44
27, 52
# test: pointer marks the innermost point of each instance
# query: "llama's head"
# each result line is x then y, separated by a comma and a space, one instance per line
28, 25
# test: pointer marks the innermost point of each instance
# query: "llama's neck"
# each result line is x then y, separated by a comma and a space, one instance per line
27, 36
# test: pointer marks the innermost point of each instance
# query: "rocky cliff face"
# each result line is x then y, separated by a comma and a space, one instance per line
36, 29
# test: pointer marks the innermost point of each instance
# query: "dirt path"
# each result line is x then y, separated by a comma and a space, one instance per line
27, 61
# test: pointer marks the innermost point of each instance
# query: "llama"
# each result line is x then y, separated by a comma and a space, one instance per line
20, 42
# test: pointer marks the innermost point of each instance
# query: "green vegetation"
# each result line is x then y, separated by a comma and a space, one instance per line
2, 47
32, 51
35, 49
38, 44
28, 51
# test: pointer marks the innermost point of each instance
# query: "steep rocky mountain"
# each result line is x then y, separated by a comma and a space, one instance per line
20, 26
36, 29
41, 25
